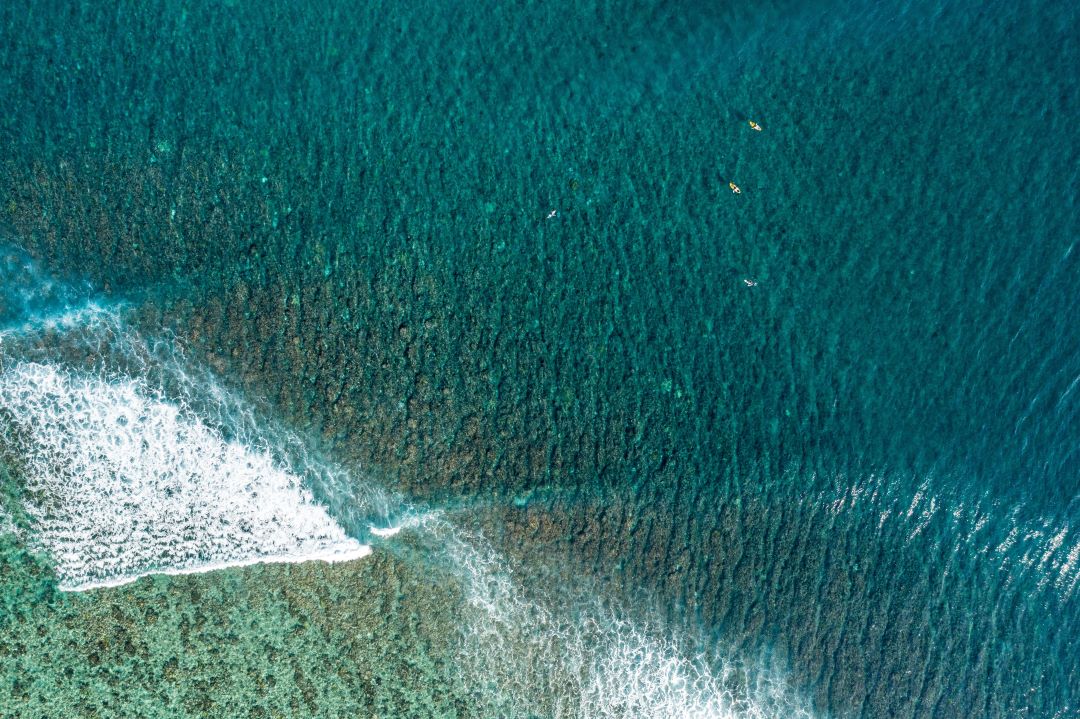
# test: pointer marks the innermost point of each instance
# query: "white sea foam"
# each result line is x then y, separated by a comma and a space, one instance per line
120, 483
132, 462
409, 519
571, 657
7, 524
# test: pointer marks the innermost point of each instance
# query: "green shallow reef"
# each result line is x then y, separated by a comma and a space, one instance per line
817, 442
362, 639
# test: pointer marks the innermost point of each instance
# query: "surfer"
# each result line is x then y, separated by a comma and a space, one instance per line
754, 125
734, 188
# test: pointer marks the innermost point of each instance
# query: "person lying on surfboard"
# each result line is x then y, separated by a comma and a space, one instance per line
754, 125
734, 188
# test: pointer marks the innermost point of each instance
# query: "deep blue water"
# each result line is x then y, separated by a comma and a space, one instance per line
833, 419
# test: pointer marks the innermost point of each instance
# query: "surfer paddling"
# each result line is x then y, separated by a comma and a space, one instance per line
734, 188
754, 125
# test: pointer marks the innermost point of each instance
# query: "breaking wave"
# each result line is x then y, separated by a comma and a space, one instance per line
129, 460
119, 483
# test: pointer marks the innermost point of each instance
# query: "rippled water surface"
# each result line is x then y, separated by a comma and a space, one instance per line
418, 360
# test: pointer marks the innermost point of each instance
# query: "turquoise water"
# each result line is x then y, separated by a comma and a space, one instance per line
463, 267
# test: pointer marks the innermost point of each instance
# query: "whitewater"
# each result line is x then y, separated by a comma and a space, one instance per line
134, 461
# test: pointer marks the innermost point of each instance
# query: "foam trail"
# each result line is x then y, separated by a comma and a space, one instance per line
572, 658
120, 483
131, 462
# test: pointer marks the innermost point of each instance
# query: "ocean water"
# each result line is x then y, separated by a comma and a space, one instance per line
417, 360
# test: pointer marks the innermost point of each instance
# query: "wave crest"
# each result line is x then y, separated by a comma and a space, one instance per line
126, 465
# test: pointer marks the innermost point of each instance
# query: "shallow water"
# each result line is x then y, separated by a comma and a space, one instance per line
475, 274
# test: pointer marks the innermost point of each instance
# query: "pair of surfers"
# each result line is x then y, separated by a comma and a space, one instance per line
732, 185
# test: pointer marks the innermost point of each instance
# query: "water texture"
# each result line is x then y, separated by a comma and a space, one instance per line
136, 463
466, 284
120, 482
